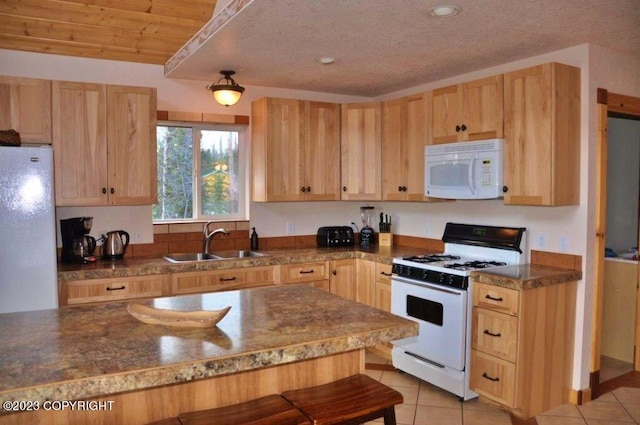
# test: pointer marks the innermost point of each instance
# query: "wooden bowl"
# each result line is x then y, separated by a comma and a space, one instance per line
178, 319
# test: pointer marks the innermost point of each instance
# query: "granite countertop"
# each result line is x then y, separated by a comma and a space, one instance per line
526, 276
86, 351
128, 267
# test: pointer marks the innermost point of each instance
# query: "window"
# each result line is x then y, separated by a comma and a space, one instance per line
201, 173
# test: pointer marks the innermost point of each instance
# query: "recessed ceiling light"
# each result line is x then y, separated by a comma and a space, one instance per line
445, 10
327, 60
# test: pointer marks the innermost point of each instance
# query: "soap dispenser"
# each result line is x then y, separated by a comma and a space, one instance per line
254, 240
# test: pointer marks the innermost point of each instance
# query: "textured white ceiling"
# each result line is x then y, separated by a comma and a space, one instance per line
382, 46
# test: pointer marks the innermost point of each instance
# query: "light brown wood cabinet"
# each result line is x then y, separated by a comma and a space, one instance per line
295, 150
361, 144
522, 346
365, 282
222, 280
113, 289
404, 136
542, 135
25, 106
104, 140
342, 278
468, 111
315, 273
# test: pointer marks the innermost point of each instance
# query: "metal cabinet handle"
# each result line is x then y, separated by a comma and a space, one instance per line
309, 189
487, 332
457, 128
104, 190
464, 127
335, 272
505, 189
304, 189
484, 375
344, 188
113, 191
386, 274
306, 271
119, 288
489, 297
227, 279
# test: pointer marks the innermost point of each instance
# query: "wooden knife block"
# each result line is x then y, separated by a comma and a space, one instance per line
385, 239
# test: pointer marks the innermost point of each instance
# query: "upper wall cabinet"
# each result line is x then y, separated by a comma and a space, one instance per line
469, 111
361, 151
295, 150
25, 106
104, 140
542, 136
404, 135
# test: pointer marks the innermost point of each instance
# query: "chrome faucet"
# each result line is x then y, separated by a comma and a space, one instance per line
209, 235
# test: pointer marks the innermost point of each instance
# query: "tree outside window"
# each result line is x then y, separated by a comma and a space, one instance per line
199, 173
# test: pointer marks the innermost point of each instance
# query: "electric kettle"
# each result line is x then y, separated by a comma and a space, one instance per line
114, 244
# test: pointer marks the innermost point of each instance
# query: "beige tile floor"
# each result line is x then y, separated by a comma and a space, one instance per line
425, 404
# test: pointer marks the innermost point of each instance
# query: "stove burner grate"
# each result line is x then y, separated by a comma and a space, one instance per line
472, 265
433, 258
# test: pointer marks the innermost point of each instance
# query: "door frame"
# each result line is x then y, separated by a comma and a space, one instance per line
615, 105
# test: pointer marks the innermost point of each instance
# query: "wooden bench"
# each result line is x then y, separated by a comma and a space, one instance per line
269, 410
349, 401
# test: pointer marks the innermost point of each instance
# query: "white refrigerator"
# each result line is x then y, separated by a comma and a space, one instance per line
28, 263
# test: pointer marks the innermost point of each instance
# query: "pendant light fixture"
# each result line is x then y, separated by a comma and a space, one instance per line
228, 93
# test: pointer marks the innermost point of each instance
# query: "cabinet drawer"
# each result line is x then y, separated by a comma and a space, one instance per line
96, 290
495, 333
496, 298
222, 280
383, 273
493, 378
304, 272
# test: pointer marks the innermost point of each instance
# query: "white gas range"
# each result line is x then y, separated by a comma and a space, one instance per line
436, 292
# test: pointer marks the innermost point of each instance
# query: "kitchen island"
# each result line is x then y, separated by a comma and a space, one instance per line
273, 339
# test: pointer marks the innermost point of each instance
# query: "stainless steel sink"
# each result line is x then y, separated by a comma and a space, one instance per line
235, 253
218, 255
191, 256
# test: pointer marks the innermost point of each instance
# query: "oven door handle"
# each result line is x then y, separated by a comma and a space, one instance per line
426, 285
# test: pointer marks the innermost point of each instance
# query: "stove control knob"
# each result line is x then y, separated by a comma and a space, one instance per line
451, 280
441, 278
425, 275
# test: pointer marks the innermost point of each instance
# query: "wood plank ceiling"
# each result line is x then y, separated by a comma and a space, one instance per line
147, 31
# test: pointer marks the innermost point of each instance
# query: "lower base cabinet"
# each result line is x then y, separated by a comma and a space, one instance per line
342, 279
314, 273
222, 280
113, 289
522, 346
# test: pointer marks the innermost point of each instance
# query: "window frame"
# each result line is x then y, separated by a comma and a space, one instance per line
243, 173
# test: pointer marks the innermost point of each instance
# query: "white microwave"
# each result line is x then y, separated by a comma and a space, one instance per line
464, 170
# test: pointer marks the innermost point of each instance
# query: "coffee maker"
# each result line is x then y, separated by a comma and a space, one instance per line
77, 245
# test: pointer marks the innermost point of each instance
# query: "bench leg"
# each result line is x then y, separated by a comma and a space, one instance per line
390, 416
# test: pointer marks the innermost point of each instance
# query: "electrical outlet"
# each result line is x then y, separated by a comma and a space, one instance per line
564, 243
541, 240
291, 228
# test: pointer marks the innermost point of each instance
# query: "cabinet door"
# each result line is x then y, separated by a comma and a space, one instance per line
25, 106
482, 111
343, 278
322, 151
132, 150
445, 115
361, 151
404, 137
277, 150
366, 282
80, 143
542, 135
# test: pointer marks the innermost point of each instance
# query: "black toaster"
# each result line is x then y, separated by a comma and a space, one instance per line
335, 236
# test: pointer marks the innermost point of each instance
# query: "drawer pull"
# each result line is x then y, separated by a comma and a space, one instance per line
227, 279
119, 288
487, 332
306, 271
484, 375
489, 297
386, 274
